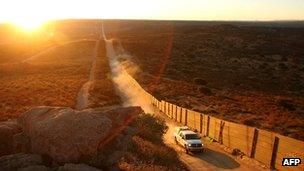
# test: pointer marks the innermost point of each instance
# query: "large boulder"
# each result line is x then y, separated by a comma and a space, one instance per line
19, 160
7, 131
21, 143
67, 135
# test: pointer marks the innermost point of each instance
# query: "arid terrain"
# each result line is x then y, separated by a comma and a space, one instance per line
66, 103
52, 79
46, 85
243, 72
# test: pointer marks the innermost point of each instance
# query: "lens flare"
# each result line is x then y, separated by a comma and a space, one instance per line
28, 25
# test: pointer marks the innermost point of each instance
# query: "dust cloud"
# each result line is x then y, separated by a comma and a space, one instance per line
127, 88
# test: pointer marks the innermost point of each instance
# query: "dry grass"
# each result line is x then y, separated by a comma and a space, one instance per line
142, 150
55, 78
246, 73
51, 79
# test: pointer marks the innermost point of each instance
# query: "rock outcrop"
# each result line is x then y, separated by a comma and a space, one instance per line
19, 160
67, 135
7, 131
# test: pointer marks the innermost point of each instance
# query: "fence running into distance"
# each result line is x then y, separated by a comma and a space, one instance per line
267, 147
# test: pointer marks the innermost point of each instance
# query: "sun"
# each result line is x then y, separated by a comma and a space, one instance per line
28, 25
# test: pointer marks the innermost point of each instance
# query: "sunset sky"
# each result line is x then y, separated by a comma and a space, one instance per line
36, 11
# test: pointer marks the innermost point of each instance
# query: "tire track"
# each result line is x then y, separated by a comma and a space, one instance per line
82, 100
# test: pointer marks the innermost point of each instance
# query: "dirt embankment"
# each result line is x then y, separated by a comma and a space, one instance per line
102, 92
83, 95
98, 91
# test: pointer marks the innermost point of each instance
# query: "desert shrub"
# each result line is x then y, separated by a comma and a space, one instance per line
157, 154
150, 128
283, 66
237, 152
205, 90
251, 122
199, 81
148, 167
284, 59
146, 150
288, 104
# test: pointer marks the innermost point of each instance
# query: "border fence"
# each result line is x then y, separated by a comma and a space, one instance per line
266, 147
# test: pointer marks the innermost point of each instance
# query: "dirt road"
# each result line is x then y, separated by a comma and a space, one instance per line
213, 158
83, 95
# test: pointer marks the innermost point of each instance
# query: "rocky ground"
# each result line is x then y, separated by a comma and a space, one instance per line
109, 138
54, 136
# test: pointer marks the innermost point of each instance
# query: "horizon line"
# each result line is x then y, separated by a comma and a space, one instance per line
149, 19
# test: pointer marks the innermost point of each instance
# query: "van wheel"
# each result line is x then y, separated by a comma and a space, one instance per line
187, 151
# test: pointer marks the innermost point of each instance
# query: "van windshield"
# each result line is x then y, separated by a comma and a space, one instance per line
192, 137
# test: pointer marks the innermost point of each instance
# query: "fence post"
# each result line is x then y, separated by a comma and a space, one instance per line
172, 111
181, 115
222, 124
161, 106
274, 153
175, 113
194, 123
254, 142
208, 123
165, 108
168, 110
201, 123
186, 117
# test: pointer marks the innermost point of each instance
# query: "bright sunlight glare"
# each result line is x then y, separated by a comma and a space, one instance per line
147, 9
28, 25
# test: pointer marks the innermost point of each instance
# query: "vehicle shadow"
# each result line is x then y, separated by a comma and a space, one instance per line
217, 159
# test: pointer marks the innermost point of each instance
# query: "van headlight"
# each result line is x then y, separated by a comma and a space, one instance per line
189, 145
